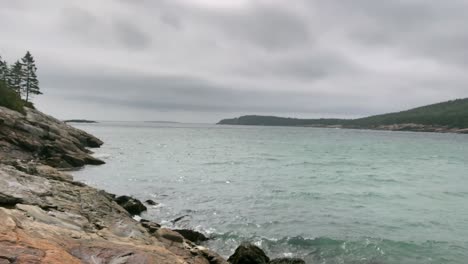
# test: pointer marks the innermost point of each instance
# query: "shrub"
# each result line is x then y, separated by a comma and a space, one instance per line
10, 99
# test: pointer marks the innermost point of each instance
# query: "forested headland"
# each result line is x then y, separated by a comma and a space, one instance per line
18, 83
450, 115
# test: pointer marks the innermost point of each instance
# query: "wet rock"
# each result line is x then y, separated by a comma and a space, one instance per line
132, 205
151, 202
152, 227
191, 235
93, 142
92, 160
287, 261
178, 219
170, 235
73, 160
212, 257
248, 254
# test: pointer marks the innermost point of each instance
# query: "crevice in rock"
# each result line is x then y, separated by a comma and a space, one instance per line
9, 201
10, 260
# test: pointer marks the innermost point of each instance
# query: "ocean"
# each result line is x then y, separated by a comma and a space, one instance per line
325, 195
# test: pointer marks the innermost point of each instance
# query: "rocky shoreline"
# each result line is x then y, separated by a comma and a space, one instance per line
47, 217
409, 127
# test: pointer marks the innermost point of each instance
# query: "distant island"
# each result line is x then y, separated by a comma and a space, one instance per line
80, 121
162, 122
451, 116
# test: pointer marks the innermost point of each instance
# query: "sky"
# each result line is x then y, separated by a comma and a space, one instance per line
204, 60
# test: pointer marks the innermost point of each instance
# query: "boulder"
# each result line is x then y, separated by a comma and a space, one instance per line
248, 254
130, 204
287, 261
191, 235
169, 235
152, 227
212, 257
151, 202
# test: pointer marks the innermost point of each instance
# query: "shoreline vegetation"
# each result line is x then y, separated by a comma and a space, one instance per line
446, 117
47, 217
18, 83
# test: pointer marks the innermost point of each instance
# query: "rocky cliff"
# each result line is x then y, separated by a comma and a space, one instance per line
46, 217
39, 137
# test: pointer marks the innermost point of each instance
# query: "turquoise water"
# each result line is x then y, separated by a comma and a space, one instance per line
325, 195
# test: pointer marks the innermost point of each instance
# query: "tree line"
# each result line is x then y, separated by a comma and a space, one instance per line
21, 77
451, 114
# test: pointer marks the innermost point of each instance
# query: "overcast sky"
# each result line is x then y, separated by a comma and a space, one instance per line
203, 60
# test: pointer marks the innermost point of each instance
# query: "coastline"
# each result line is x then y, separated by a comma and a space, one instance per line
396, 127
50, 218
47, 217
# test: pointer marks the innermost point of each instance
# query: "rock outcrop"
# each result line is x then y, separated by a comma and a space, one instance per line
287, 261
192, 235
39, 137
248, 254
46, 217
132, 205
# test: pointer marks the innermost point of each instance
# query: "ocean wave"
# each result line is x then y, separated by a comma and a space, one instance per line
222, 163
353, 251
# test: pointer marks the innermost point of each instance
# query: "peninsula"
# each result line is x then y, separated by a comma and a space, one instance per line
451, 116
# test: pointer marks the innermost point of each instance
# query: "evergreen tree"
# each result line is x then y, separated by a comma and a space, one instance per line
4, 72
30, 84
15, 78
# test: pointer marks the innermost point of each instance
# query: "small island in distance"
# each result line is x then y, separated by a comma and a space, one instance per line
162, 122
80, 121
446, 117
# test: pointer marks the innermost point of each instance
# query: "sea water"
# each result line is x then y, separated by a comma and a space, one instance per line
324, 195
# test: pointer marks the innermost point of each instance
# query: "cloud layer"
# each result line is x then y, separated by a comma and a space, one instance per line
203, 60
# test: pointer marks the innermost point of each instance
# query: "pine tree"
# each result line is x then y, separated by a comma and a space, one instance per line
4, 72
15, 77
30, 83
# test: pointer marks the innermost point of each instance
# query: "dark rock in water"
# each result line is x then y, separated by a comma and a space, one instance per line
151, 202
178, 219
191, 235
74, 161
152, 227
287, 261
132, 205
93, 161
248, 254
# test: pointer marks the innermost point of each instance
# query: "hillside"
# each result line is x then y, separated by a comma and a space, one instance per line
453, 114
450, 116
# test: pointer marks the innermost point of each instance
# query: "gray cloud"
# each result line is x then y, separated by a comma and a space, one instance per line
130, 35
267, 27
204, 60
181, 93
78, 20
